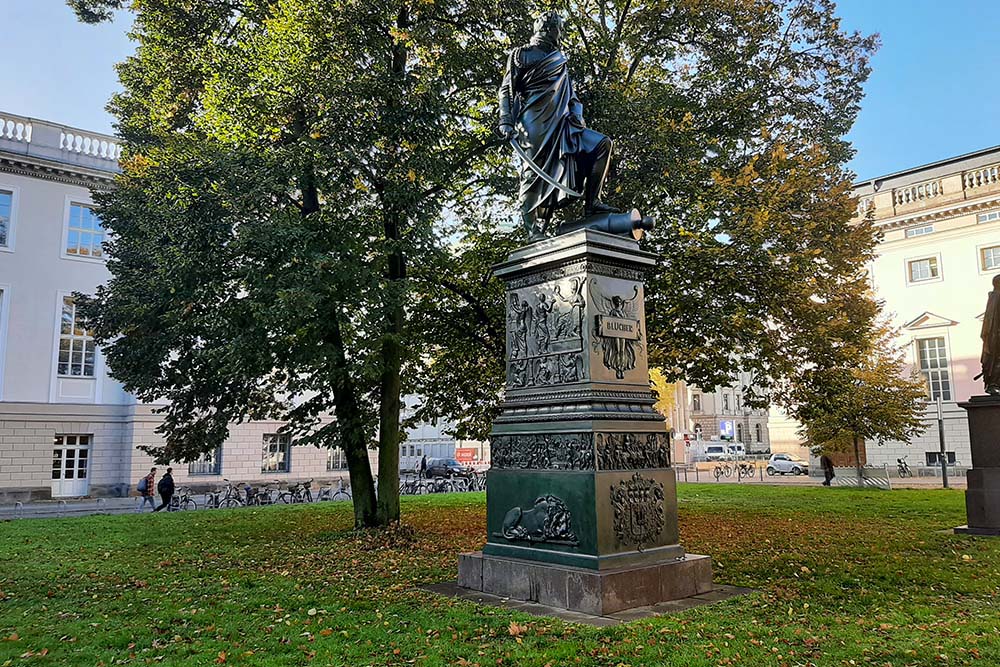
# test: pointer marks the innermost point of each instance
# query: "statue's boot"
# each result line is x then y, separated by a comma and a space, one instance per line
536, 226
595, 180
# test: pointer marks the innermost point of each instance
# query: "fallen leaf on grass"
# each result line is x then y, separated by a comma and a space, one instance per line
516, 630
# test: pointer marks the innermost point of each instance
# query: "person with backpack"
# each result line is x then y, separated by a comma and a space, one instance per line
145, 488
166, 489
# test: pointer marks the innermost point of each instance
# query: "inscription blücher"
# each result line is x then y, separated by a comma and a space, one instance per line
545, 343
617, 331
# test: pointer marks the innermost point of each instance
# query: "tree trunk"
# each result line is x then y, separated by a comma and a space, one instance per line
389, 382
857, 463
346, 409
392, 343
352, 433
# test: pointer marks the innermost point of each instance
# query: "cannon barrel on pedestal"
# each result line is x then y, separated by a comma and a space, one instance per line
631, 223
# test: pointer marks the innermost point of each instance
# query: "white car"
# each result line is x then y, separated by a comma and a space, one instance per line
717, 453
786, 463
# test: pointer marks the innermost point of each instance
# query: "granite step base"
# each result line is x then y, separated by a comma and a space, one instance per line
597, 593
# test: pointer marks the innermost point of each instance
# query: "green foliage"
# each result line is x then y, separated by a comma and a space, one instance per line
839, 576
285, 164
665, 392
872, 400
728, 120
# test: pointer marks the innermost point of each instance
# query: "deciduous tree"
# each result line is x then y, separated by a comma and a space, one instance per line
284, 165
875, 399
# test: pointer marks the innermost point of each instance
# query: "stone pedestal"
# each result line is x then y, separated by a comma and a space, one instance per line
581, 498
982, 497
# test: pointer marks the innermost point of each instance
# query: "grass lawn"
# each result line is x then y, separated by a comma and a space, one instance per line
845, 577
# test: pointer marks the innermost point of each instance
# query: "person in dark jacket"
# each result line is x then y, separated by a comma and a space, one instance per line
826, 463
423, 466
166, 489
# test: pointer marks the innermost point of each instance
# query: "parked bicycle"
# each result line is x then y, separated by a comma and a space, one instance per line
182, 501
903, 467
745, 469
722, 469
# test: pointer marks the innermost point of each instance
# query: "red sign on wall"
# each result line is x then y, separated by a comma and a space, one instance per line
466, 454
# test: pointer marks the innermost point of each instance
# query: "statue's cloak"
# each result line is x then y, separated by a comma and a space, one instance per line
538, 99
991, 341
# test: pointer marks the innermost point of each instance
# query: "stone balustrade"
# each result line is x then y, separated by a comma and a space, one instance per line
917, 192
15, 129
89, 145
865, 205
31, 138
978, 178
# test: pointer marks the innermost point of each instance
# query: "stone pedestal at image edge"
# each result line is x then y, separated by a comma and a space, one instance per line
982, 496
581, 496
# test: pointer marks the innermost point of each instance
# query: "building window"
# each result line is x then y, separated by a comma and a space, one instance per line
923, 230
920, 270
335, 459
739, 432
934, 367
6, 209
757, 432
988, 217
725, 402
737, 398
696, 402
85, 234
76, 346
276, 453
934, 458
989, 258
209, 463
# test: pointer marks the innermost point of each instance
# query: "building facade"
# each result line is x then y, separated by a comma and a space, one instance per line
720, 412
940, 248
938, 255
67, 429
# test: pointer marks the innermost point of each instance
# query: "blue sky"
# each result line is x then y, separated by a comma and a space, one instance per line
934, 90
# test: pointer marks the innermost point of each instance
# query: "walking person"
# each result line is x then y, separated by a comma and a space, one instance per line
826, 463
166, 489
423, 466
145, 488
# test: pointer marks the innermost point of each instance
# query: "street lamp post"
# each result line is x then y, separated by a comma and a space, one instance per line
944, 455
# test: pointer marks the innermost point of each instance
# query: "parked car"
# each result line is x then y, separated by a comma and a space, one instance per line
786, 463
717, 453
447, 468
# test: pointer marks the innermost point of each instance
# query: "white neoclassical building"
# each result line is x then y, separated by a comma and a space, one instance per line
68, 429
939, 252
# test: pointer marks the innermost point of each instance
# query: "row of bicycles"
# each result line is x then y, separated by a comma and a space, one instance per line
742, 470
414, 485
234, 495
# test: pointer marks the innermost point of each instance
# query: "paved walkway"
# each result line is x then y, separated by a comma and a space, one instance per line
845, 478
83, 507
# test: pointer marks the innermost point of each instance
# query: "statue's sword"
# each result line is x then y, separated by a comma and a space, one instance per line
541, 172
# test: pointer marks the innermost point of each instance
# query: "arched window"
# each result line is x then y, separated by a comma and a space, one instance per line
757, 428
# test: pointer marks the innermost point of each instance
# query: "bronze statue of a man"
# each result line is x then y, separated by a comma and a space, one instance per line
561, 157
991, 340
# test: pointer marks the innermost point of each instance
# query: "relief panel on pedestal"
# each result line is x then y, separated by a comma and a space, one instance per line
616, 330
545, 334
